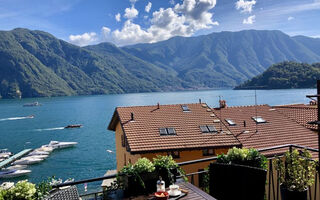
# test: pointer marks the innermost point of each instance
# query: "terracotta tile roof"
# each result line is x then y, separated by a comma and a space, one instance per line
143, 133
278, 130
300, 113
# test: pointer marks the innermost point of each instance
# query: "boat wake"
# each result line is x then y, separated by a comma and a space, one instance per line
50, 129
16, 118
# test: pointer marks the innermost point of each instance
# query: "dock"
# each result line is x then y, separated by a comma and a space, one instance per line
107, 182
14, 157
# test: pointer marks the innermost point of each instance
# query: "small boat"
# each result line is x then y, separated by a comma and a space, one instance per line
74, 126
27, 161
37, 157
32, 104
45, 148
4, 153
37, 153
16, 167
13, 173
60, 145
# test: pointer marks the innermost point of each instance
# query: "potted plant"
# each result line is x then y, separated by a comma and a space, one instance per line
167, 168
139, 178
241, 174
296, 174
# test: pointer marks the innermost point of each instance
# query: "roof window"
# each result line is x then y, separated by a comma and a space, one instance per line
167, 131
185, 108
259, 119
230, 122
208, 129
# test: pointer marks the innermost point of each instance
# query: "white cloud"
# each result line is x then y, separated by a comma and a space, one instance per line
172, 2
183, 19
148, 7
245, 6
290, 18
250, 20
118, 17
131, 13
84, 39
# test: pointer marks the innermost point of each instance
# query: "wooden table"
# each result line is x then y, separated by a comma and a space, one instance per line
194, 193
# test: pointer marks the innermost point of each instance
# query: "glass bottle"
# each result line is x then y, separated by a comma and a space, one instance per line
161, 185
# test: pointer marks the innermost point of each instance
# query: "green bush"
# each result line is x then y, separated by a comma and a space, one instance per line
296, 172
248, 157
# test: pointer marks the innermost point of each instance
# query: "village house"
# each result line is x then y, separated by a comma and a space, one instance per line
195, 131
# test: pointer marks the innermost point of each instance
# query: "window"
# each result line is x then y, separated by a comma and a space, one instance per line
259, 119
208, 129
231, 122
185, 108
167, 131
174, 154
127, 145
208, 152
123, 142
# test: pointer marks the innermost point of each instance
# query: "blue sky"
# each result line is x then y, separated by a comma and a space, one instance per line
124, 22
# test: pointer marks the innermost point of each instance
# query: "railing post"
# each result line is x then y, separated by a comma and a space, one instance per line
192, 179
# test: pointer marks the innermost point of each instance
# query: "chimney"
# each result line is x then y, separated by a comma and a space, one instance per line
158, 105
200, 101
222, 103
244, 123
132, 117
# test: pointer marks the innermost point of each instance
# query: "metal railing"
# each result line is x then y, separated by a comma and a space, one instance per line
272, 187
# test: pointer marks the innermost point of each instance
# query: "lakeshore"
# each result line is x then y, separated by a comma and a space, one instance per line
91, 157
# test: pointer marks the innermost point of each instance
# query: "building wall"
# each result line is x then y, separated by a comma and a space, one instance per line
123, 157
190, 155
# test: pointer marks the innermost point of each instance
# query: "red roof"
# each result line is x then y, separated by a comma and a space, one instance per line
143, 132
301, 113
278, 129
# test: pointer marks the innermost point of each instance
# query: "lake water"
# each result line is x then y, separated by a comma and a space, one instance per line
90, 157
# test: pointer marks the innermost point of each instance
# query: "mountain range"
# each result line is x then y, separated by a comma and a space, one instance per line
36, 64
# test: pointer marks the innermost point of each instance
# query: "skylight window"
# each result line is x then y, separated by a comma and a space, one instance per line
231, 122
185, 108
259, 119
171, 131
167, 131
208, 129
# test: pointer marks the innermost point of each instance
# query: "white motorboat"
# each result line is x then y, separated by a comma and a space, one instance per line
4, 156
60, 145
36, 156
27, 161
13, 173
37, 153
45, 148
16, 167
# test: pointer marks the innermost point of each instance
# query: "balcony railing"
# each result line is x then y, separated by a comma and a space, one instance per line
272, 186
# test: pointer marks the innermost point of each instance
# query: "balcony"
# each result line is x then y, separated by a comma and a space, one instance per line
196, 187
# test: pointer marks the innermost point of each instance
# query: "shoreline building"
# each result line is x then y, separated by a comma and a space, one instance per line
196, 131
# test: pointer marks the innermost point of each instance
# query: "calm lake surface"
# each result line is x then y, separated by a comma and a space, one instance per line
90, 157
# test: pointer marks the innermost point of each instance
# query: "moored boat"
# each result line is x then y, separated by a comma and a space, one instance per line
27, 161
60, 145
45, 148
16, 167
13, 173
37, 153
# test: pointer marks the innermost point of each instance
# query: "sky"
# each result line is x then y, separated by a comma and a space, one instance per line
126, 22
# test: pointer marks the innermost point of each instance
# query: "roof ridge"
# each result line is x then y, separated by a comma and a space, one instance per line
245, 106
161, 105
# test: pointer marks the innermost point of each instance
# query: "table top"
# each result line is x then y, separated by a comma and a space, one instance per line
194, 193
